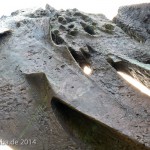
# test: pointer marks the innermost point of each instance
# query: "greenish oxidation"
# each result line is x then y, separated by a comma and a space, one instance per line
88, 28
73, 32
96, 135
108, 28
127, 59
140, 64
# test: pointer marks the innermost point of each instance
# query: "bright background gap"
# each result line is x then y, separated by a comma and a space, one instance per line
106, 7
135, 83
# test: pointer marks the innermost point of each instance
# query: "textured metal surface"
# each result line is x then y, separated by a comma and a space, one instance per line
42, 60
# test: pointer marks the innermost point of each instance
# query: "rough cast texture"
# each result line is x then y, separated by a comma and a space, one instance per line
47, 99
135, 20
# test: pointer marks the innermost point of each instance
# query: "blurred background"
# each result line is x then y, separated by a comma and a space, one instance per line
107, 7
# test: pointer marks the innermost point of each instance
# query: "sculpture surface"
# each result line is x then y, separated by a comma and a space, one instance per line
45, 96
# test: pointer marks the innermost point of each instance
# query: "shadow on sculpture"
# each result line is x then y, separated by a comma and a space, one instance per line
89, 131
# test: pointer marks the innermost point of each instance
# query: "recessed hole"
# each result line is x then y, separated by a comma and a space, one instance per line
89, 30
81, 60
73, 32
71, 26
57, 39
62, 20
